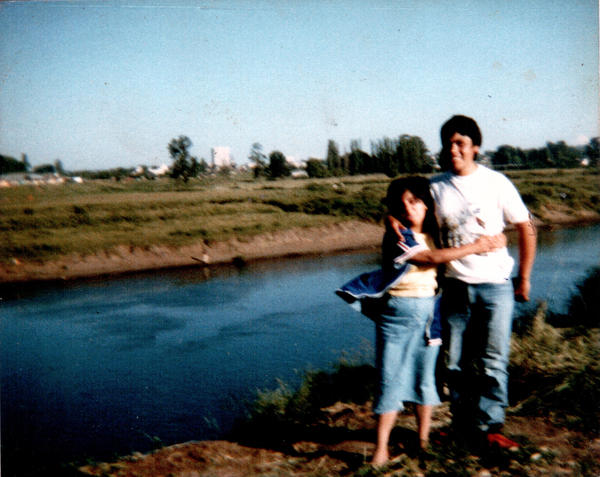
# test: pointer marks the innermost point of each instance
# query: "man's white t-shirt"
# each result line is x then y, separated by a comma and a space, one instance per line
466, 207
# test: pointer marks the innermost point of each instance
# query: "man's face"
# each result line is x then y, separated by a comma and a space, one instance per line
462, 155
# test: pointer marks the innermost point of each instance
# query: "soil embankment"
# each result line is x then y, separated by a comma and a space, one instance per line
300, 241
350, 235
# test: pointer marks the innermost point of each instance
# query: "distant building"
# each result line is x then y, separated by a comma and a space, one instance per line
30, 178
220, 157
293, 162
160, 170
299, 174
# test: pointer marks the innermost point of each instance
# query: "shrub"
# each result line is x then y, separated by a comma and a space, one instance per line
34, 251
584, 305
281, 414
317, 187
80, 216
556, 373
316, 169
346, 383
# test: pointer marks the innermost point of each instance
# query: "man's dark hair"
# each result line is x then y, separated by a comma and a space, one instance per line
462, 125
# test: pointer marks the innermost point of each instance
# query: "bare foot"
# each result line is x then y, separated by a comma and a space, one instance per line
380, 458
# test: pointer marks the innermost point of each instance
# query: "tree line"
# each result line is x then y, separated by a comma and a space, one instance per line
409, 155
390, 156
9, 165
555, 155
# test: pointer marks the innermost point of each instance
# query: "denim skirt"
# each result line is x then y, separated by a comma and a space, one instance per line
406, 364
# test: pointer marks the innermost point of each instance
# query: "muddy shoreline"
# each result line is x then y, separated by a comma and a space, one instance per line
351, 235
346, 236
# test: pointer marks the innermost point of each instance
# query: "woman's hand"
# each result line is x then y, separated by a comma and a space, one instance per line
491, 243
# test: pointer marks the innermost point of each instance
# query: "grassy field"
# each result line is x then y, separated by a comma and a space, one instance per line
558, 189
41, 223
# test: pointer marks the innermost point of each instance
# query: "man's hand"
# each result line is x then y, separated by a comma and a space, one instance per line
522, 289
397, 226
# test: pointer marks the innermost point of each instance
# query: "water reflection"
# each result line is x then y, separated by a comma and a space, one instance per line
137, 328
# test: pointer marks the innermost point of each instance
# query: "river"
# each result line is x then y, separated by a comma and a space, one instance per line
100, 367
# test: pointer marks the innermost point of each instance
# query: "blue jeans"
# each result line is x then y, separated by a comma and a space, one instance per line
478, 329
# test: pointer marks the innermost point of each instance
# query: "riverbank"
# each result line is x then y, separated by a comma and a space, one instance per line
343, 441
328, 427
339, 237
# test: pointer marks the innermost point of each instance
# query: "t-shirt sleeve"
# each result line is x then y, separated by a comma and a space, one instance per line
514, 209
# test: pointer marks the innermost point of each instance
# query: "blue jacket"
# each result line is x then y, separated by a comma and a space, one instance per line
374, 285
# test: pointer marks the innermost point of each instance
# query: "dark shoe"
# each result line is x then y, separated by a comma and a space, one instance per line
441, 438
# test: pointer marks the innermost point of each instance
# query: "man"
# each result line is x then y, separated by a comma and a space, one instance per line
477, 299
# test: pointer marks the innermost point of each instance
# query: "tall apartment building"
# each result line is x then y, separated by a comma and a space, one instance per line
220, 156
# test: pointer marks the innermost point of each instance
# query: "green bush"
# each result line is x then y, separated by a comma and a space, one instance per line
584, 305
317, 187
282, 414
33, 252
556, 373
318, 389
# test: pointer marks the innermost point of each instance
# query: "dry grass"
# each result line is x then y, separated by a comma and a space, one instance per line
558, 189
556, 373
40, 223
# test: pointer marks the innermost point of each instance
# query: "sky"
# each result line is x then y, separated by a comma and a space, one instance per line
104, 84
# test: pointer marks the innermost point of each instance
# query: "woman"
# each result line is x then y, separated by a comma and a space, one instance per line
406, 351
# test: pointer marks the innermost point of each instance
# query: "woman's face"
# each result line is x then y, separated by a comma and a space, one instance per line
413, 211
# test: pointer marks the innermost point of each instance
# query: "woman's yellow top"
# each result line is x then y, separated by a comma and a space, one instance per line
420, 280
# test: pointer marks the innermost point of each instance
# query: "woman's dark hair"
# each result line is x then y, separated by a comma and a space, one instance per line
419, 187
